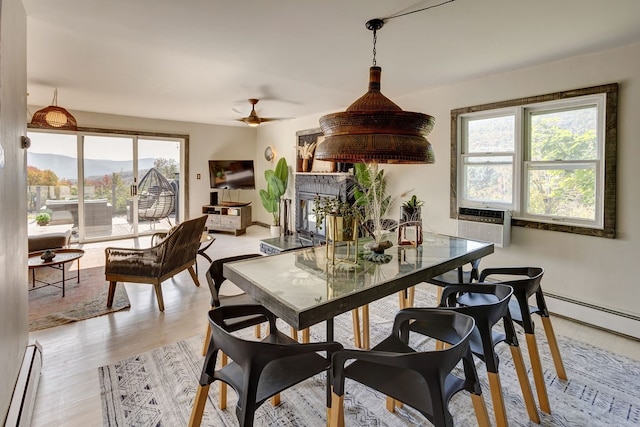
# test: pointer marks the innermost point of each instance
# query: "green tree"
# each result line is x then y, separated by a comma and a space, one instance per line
563, 191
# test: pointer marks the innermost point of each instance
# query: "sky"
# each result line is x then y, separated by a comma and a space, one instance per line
103, 147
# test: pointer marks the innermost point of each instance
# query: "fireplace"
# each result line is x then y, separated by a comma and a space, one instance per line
307, 186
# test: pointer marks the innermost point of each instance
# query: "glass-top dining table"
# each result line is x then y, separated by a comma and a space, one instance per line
303, 287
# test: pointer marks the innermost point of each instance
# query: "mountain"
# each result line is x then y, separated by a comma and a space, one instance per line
67, 167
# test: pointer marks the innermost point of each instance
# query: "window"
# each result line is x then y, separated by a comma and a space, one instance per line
548, 159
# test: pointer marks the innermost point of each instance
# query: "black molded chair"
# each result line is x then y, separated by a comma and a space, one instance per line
260, 369
459, 276
525, 282
420, 379
215, 278
488, 304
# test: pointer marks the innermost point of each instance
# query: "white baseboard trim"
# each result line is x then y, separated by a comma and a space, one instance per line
611, 320
24, 393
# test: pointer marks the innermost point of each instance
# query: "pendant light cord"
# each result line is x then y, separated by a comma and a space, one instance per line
417, 10
375, 24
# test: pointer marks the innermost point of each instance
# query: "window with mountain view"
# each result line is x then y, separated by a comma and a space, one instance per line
550, 160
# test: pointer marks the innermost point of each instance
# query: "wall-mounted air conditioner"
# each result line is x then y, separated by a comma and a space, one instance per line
487, 225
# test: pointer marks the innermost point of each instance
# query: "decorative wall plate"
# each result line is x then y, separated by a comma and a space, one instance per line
269, 154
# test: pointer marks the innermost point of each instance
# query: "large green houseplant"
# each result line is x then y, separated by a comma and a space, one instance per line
276, 187
370, 193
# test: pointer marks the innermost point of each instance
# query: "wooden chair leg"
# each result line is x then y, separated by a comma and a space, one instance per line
553, 346
538, 376
391, 404
365, 327
411, 297
499, 409
257, 331
523, 378
112, 292
306, 336
198, 406
481, 410
222, 391
207, 338
158, 288
357, 339
194, 276
294, 334
361, 341
275, 400
337, 410
401, 300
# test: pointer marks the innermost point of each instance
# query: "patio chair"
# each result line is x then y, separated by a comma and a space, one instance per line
157, 197
175, 253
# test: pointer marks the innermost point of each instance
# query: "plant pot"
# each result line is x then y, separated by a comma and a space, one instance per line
42, 223
341, 229
275, 230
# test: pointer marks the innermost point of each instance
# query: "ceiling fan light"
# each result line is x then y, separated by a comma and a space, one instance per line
252, 120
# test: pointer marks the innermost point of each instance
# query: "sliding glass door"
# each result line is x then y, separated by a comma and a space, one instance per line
105, 186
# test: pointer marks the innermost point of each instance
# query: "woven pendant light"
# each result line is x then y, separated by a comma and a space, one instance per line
374, 129
54, 117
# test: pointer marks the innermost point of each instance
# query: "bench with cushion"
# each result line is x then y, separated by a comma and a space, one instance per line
57, 237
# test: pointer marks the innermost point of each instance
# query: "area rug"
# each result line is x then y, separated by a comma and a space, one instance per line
48, 308
157, 388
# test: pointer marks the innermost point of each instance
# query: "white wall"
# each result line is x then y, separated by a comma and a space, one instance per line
592, 270
13, 186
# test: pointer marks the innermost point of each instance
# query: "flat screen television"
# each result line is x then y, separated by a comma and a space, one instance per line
232, 174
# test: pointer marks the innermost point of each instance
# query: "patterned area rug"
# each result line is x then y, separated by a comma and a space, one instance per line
48, 308
157, 388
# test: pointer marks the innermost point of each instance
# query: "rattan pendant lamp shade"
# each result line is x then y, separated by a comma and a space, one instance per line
54, 117
374, 129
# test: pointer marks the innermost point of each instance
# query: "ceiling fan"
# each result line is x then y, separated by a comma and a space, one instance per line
253, 119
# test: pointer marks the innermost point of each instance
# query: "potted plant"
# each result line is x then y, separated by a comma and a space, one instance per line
305, 152
370, 192
43, 218
341, 217
276, 186
410, 210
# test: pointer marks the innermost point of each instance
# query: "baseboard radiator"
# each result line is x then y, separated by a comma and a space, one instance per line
24, 393
603, 318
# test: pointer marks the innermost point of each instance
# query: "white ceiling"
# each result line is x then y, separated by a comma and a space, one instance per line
198, 60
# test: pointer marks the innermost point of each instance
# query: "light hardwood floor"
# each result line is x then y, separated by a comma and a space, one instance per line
69, 391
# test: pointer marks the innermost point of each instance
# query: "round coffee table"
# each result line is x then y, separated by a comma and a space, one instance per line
63, 256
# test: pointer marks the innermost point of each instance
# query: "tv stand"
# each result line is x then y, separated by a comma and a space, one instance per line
233, 219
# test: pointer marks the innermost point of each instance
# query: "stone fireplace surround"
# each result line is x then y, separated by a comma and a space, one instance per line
307, 185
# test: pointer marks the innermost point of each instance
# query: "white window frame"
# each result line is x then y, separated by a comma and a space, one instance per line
604, 98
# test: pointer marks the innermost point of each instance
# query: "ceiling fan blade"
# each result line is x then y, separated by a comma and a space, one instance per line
273, 119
